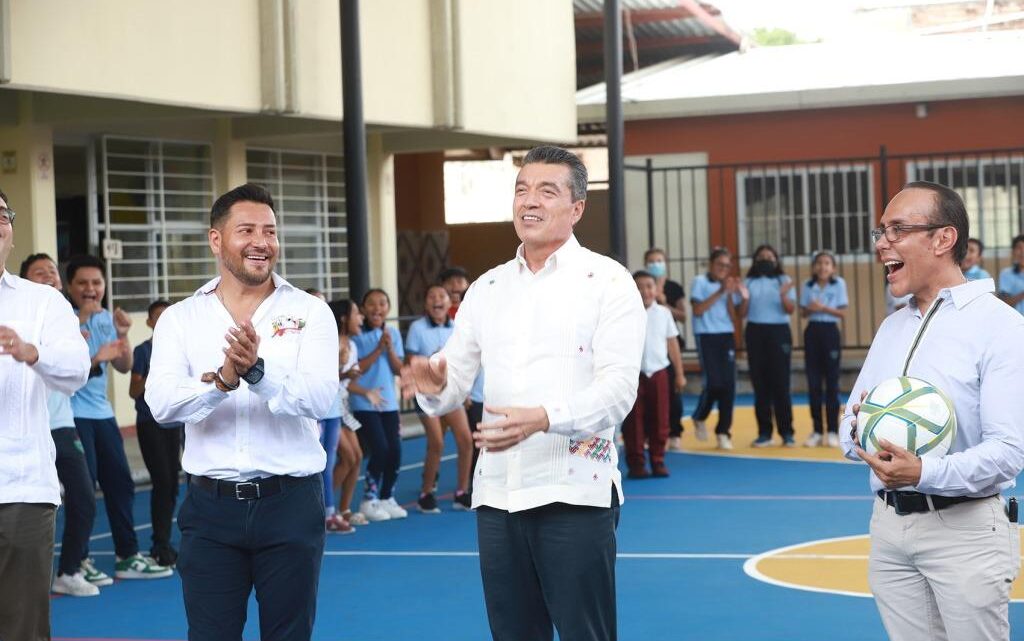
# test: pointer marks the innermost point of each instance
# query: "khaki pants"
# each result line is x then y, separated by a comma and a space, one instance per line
26, 560
944, 575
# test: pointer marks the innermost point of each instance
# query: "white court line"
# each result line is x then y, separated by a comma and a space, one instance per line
621, 555
753, 457
144, 526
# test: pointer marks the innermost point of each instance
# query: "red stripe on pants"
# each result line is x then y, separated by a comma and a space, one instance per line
648, 421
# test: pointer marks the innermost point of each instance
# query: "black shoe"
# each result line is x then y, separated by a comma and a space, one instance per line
463, 502
638, 473
659, 471
165, 556
428, 504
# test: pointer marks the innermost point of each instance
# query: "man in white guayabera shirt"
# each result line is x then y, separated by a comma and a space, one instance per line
943, 555
560, 332
40, 347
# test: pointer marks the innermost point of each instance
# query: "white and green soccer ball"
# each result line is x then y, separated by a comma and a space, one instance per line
908, 412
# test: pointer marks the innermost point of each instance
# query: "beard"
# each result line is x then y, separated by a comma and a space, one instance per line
250, 277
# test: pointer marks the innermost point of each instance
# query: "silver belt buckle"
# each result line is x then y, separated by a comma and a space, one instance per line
247, 484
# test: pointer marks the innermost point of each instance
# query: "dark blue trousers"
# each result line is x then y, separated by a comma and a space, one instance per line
769, 353
822, 354
717, 354
79, 499
108, 465
380, 436
551, 567
273, 544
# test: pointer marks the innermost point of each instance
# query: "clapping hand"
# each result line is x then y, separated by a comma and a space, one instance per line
424, 375
241, 353
122, 322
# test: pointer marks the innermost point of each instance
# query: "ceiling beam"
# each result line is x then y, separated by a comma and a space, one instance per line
645, 44
636, 16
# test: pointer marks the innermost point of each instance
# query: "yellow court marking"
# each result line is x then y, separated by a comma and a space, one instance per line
744, 431
834, 566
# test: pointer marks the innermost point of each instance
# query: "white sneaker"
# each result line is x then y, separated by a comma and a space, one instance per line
675, 444
393, 509
74, 585
373, 510
701, 428
138, 566
95, 576
814, 440
724, 442
833, 439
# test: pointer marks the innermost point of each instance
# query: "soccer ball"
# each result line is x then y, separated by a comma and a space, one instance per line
907, 412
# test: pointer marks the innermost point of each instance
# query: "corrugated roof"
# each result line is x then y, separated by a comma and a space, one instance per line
905, 69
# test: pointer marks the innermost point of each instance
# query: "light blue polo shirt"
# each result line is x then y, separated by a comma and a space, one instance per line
765, 304
1012, 283
716, 319
833, 295
379, 375
91, 400
59, 406
976, 273
424, 338
477, 393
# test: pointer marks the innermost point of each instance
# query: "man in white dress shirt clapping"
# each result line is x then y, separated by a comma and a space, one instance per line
40, 347
248, 363
560, 331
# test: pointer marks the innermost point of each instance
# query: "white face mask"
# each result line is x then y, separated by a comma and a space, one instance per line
656, 268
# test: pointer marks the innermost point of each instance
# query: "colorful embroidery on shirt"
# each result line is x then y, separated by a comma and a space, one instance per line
594, 449
284, 324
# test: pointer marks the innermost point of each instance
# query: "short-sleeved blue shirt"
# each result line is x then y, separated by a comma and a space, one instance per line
59, 407
91, 400
833, 295
425, 338
716, 319
976, 273
140, 365
379, 375
765, 302
1012, 283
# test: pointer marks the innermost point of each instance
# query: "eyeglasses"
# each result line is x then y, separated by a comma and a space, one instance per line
893, 233
6, 216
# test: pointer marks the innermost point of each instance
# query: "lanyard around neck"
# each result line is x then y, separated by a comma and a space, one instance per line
919, 335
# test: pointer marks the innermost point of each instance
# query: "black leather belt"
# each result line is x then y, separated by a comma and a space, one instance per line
247, 490
911, 502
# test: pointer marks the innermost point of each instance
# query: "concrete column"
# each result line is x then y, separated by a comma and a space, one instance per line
383, 236
28, 184
229, 169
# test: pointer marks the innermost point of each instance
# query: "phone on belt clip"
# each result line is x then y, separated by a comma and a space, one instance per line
1011, 509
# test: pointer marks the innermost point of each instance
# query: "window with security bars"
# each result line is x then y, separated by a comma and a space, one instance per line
156, 197
800, 210
309, 196
991, 188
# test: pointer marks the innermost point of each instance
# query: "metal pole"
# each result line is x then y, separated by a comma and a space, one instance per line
883, 176
355, 152
614, 127
650, 202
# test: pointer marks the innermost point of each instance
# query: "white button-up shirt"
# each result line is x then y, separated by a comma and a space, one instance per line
258, 430
41, 316
568, 338
973, 350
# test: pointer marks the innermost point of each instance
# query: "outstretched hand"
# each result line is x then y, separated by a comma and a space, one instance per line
424, 375
894, 466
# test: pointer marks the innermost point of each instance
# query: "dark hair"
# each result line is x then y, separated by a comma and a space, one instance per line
778, 264
814, 258
643, 273
1016, 239
4, 196
452, 272
80, 261
654, 250
342, 310
157, 304
949, 211
28, 262
716, 253
426, 292
375, 290
981, 245
249, 192
551, 155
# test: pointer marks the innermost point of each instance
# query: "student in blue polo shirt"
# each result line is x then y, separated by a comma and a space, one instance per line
971, 264
714, 297
94, 417
1011, 279
823, 300
380, 359
426, 337
770, 344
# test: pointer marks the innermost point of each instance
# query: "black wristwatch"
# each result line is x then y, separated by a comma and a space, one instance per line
255, 373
